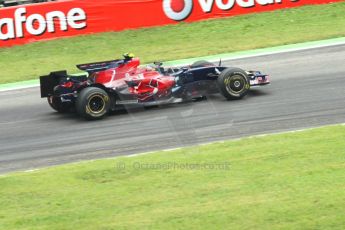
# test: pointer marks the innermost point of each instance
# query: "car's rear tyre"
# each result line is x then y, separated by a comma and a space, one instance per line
92, 103
233, 83
58, 105
201, 63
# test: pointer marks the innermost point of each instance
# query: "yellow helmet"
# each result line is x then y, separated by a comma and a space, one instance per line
128, 55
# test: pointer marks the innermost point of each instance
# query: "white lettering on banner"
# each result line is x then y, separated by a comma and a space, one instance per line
207, 6
181, 15
8, 22
31, 21
50, 19
225, 6
266, 2
76, 15
246, 3
37, 24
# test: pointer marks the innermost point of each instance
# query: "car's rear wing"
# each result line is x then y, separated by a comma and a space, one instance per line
99, 66
49, 82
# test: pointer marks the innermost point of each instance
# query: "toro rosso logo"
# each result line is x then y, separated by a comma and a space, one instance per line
179, 10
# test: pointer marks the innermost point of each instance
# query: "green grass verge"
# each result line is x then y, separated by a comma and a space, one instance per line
284, 181
178, 41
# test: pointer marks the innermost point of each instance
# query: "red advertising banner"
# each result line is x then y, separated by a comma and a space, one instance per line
42, 21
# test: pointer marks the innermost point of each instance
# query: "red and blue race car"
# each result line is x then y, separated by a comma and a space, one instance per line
112, 85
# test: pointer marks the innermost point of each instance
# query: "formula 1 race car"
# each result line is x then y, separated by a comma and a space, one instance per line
111, 85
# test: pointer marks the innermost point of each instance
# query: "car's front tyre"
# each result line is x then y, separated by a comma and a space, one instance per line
92, 103
233, 83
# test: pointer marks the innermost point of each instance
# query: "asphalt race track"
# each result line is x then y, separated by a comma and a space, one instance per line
308, 90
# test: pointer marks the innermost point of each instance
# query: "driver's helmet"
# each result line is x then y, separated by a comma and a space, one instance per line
128, 56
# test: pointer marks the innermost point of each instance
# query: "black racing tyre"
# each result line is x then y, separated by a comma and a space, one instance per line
201, 63
233, 83
92, 103
57, 105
